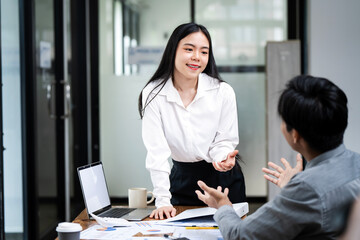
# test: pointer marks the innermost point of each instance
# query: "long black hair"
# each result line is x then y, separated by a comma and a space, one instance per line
167, 63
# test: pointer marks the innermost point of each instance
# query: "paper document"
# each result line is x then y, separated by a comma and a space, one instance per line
240, 208
100, 232
207, 234
147, 227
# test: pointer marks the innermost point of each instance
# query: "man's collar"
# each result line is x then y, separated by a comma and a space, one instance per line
326, 155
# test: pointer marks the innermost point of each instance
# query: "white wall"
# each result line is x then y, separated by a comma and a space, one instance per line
334, 53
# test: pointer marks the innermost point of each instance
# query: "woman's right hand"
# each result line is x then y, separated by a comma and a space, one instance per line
167, 211
227, 164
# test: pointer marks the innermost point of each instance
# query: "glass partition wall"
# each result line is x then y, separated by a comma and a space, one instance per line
42, 116
239, 31
11, 111
132, 36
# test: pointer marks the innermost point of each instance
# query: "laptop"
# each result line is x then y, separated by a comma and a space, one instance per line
96, 195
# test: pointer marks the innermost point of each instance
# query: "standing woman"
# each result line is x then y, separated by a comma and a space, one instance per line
190, 114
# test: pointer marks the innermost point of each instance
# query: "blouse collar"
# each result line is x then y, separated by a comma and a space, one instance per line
205, 83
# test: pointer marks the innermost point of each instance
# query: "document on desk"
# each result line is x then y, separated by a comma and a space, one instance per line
144, 227
198, 234
99, 232
148, 227
240, 208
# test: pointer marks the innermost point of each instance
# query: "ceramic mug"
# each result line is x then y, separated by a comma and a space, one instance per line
138, 197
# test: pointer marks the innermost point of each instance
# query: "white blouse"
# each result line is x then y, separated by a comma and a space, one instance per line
207, 129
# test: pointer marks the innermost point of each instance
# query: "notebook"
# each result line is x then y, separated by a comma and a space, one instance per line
96, 195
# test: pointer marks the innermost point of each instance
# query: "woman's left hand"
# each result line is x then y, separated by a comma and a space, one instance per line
226, 164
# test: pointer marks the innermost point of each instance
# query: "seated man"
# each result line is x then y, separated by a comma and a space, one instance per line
314, 117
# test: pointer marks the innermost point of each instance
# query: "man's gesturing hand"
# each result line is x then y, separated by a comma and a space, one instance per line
283, 176
213, 197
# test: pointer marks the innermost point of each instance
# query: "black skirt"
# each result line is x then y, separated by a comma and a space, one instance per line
184, 177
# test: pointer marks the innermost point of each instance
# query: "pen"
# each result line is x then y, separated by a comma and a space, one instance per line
201, 227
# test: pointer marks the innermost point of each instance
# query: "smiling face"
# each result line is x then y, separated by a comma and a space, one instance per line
192, 56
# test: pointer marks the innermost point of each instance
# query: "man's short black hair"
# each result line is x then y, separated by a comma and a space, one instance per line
317, 109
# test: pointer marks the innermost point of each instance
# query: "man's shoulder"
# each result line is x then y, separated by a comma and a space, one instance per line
334, 173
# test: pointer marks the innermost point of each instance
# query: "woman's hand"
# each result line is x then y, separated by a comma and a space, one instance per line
226, 164
167, 211
283, 176
212, 197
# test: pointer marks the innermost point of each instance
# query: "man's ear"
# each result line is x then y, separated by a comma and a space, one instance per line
295, 136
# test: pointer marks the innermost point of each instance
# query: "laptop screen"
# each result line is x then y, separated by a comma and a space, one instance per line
94, 188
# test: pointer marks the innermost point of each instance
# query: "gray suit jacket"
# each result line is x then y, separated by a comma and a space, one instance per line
310, 206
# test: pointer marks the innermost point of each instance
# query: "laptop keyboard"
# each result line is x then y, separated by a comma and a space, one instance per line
116, 212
